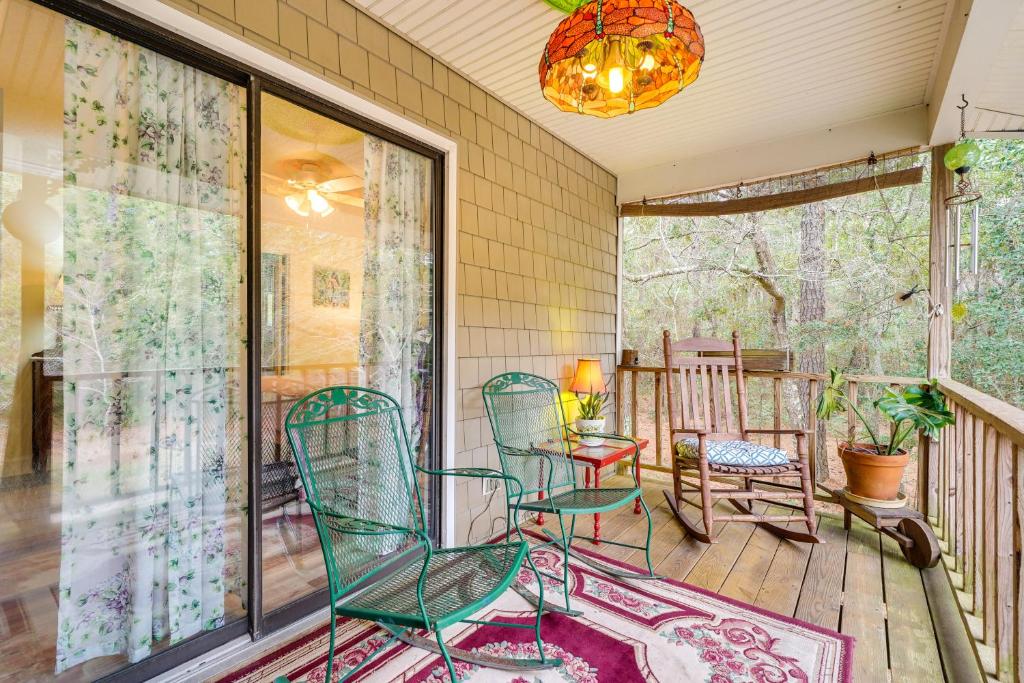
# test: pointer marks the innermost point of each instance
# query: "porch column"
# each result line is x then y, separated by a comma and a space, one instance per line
940, 327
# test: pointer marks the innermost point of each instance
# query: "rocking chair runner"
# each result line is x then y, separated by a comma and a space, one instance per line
531, 434
706, 439
361, 482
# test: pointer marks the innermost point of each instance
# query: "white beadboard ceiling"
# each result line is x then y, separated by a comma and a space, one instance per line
775, 69
1000, 109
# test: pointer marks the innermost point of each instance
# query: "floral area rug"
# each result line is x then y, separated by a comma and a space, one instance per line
630, 631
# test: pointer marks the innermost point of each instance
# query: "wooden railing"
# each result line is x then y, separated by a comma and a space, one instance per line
974, 496
804, 385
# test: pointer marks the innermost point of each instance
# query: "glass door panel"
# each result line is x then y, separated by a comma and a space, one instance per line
347, 240
122, 470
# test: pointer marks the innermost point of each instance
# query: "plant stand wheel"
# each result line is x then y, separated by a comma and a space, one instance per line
924, 551
906, 526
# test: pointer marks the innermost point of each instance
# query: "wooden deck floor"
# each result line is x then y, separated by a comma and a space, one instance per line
857, 582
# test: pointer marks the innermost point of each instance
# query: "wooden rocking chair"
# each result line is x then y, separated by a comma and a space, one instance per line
706, 439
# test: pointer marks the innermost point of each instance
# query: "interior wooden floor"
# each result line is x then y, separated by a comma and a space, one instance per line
857, 582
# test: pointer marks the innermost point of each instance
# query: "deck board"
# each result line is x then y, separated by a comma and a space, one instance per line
909, 625
864, 605
855, 582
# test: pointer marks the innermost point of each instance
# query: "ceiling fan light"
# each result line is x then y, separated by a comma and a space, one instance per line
317, 202
298, 204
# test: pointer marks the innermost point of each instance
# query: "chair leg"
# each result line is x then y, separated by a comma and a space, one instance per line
806, 484
650, 532
330, 648
447, 657
707, 503
566, 545
540, 610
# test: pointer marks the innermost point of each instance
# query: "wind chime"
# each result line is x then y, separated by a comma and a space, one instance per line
960, 159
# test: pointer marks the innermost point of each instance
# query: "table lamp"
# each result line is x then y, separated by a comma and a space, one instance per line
589, 381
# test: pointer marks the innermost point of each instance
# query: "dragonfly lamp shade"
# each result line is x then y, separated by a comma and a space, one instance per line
612, 57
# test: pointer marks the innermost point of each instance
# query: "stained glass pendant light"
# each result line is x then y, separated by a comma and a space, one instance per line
612, 57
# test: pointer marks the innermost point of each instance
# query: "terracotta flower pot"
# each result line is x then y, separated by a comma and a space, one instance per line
871, 475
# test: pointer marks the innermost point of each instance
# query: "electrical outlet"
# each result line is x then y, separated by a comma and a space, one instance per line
488, 485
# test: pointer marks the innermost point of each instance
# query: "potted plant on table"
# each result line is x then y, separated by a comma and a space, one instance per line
589, 420
874, 469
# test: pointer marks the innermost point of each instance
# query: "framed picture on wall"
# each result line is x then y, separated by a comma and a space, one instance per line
330, 287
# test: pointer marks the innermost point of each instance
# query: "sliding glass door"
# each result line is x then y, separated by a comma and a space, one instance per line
347, 241
122, 306
182, 256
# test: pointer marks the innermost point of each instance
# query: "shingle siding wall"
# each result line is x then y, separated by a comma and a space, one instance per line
537, 227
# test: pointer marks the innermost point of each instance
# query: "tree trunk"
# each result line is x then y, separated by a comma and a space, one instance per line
812, 269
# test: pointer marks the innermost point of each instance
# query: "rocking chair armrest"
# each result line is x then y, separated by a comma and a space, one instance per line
795, 432
694, 432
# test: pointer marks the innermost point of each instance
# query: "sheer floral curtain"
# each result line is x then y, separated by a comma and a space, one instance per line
151, 332
397, 309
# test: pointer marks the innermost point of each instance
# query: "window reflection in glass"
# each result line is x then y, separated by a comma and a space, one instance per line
347, 242
122, 480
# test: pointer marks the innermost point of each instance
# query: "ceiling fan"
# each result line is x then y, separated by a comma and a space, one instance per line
314, 183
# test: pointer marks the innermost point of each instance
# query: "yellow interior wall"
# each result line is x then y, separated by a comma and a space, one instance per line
31, 123
318, 334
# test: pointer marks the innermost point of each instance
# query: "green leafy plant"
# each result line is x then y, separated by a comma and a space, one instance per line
918, 407
591, 406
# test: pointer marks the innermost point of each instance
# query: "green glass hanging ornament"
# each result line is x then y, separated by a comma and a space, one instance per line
961, 158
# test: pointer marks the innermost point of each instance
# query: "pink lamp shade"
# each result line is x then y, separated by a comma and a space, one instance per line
588, 379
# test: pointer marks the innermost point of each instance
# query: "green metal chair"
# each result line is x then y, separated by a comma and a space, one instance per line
362, 484
532, 437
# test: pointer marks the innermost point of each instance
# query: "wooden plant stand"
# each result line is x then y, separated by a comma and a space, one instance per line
906, 526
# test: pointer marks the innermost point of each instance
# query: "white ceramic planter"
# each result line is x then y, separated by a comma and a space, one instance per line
585, 427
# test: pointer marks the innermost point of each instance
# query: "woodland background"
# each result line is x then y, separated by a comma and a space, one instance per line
823, 281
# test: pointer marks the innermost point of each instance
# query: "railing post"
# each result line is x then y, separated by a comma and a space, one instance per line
924, 444
619, 391
657, 418
851, 417
777, 409
812, 429
632, 404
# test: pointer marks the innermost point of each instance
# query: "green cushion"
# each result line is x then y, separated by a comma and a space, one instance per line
736, 453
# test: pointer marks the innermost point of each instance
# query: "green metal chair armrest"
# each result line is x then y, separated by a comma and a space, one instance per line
358, 526
532, 453
480, 473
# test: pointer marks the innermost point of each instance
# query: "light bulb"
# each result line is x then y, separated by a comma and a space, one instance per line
616, 79
647, 63
298, 204
317, 202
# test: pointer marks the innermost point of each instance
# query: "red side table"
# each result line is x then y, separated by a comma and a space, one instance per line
597, 457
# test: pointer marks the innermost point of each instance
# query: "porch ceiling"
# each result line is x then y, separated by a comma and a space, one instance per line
787, 84
1000, 111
